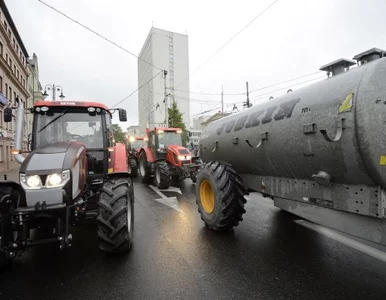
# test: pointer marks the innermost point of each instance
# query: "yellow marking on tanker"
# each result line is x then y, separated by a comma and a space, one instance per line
207, 196
110, 170
382, 160
347, 103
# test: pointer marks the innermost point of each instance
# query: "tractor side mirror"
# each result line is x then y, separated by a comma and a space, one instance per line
122, 115
7, 114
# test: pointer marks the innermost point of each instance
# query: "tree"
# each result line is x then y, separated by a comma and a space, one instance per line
119, 135
175, 120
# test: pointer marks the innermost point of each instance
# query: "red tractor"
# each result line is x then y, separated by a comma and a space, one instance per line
134, 144
164, 158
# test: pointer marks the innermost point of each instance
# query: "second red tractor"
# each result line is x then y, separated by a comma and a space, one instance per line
164, 158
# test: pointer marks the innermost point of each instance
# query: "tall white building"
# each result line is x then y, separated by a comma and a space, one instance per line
168, 51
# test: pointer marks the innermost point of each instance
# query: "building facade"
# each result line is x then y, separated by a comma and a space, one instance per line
194, 136
168, 51
13, 82
133, 131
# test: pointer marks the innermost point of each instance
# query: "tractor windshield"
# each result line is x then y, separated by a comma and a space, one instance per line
169, 138
137, 144
76, 124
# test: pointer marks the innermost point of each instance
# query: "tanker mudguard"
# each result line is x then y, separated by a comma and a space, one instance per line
320, 146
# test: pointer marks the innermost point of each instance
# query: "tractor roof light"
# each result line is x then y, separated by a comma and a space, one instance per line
44, 108
131, 139
91, 109
160, 131
146, 138
179, 131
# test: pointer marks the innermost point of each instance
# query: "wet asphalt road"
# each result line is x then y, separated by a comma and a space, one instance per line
268, 256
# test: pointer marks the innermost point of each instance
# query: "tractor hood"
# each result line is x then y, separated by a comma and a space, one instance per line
178, 150
54, 157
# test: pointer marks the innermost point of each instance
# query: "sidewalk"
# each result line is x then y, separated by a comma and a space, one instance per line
11, 174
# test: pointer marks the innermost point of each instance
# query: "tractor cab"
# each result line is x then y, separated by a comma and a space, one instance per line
162, 139
87, 123
136, 142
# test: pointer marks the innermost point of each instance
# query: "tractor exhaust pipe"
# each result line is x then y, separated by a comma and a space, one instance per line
19, 131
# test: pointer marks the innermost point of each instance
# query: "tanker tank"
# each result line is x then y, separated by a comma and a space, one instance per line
319, 152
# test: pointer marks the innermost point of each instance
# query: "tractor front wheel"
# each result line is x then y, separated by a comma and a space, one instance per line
163, 177
116, 215
144, 168
7, 193
220, 196
133, 167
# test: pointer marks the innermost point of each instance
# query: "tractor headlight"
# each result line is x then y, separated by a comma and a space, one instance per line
30, 182
184, 157
57, 180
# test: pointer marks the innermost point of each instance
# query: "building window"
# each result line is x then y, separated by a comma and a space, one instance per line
1, 49
5, 25
14, 96
18, 73
10, 62
1, 84
10, 95
14, 69
9, 33
17, 48
6, 57
14, 42
6, 91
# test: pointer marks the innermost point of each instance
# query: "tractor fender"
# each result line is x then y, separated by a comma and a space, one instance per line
120, 158
149, 154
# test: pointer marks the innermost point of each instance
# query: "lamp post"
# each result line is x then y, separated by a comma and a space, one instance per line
54, 88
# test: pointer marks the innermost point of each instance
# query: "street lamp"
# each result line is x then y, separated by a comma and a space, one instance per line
54, 88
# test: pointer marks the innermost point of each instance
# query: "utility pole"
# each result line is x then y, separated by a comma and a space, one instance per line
248, 104
53, 92
166, 101
222, 99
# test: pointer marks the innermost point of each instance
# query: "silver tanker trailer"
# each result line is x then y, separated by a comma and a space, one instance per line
319, 153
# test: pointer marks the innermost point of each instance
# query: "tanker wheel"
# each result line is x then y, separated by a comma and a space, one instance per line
163, 177
144, 169
116, 215
220, 196
133, 167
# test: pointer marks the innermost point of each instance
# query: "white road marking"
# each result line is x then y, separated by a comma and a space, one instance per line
172, 189
335, 235
168, 201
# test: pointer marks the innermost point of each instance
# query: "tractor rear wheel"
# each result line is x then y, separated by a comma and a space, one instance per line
220, 196
144, 168
163, 177
133, 167
116, 215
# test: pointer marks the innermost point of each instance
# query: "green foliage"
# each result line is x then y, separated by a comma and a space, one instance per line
119, 135
175, 120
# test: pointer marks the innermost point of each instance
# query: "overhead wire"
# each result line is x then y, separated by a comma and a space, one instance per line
97, 34
132, 93
279, 83
287, 87
231, 39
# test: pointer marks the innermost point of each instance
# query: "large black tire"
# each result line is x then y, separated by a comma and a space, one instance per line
144, 168
6, 192
220, 196
163, 177
133, 167
116, 215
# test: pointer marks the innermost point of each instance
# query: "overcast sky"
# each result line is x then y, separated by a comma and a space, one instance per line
293, 38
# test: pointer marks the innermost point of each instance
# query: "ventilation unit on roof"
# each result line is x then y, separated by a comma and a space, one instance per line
338, 66
369, 55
